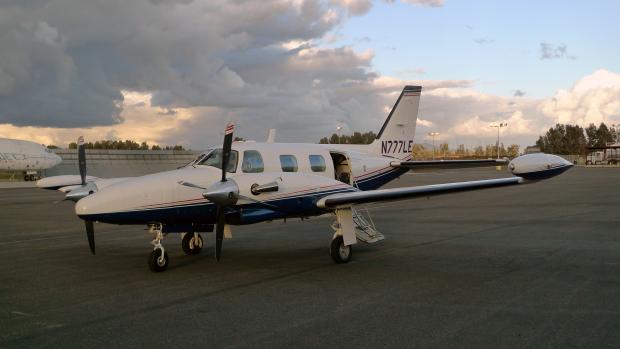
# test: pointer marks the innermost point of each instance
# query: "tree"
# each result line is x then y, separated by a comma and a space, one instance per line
604, 135
512, 151
355, 138
591, 133
565, 139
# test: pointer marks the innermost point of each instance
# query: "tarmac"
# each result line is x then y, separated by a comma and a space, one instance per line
530, 266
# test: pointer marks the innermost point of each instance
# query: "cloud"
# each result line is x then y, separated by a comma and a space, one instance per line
430, 3
549, 51
65, 63
354, 7
593, 99
483, 41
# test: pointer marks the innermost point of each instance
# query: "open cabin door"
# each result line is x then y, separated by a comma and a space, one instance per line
342, 167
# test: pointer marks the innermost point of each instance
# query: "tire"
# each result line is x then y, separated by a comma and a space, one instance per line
588, 162
189, 245
339, 252
154, 264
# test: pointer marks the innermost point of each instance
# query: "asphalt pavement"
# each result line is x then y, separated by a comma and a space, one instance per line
531, 266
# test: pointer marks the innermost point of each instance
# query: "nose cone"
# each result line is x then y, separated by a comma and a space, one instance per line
539, 166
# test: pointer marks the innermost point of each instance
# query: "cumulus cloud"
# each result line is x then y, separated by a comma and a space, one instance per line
593, 99
549, 51
65, 62
175, 71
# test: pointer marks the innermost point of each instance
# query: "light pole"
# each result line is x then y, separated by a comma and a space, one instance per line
433, 134
499, 126
338, 128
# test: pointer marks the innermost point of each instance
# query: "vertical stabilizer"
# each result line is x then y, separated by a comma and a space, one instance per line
395, 139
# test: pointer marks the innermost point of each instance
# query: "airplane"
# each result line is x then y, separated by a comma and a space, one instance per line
249, 182
26, 157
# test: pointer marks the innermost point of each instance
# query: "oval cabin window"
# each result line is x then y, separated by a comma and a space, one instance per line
317, 163
288, 163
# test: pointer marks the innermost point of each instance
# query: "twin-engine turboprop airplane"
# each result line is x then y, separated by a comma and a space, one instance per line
248, 182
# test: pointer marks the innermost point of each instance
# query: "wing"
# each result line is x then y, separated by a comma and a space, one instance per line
67, 183
364, 197
447, 164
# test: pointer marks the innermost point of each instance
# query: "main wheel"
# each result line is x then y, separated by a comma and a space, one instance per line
191, 243
157, 262
339, 251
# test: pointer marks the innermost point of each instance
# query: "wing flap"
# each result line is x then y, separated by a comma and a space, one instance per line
448, 164
363, 197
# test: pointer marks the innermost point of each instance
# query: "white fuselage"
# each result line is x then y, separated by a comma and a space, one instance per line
18, 155
302, 171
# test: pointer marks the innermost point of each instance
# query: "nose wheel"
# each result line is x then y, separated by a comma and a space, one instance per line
191, 243
158, 258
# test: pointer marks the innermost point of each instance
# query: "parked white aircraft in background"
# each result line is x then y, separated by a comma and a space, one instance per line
26, 157
251, 182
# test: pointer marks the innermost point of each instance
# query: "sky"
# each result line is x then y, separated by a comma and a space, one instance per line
176, 71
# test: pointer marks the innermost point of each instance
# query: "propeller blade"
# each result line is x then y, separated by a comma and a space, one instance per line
90, 233
82, 159
228, 138
219, 232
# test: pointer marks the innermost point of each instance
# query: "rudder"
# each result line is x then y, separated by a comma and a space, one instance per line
395, 139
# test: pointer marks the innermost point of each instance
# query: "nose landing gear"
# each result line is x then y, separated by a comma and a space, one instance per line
158, 258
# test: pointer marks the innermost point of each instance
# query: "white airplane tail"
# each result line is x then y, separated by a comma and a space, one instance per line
395, 139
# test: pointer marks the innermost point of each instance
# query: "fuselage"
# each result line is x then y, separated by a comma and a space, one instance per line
18, 155
304, 173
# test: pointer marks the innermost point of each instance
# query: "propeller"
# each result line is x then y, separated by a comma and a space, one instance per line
83, 191
82, 159
223, 195
90, 234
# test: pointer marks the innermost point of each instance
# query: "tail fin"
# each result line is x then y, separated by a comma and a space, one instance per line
396, 136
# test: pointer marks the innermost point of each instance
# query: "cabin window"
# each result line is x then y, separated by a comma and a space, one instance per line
317, 163
252, 162
288, 163
214, 159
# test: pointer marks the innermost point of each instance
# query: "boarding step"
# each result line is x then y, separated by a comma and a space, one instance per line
365, 231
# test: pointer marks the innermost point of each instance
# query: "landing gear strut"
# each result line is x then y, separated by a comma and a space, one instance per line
191, 243
158, 259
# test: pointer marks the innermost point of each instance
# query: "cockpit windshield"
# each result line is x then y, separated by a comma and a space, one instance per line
214, 158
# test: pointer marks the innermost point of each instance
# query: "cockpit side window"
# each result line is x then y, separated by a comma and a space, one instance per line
214, 159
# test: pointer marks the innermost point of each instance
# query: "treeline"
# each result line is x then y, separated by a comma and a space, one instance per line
573, 139
443, 151
355, 138
124, 145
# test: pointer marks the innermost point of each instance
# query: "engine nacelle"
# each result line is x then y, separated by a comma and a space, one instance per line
538, 166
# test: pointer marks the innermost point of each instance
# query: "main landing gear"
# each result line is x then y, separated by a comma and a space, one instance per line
340, 252
191, 243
